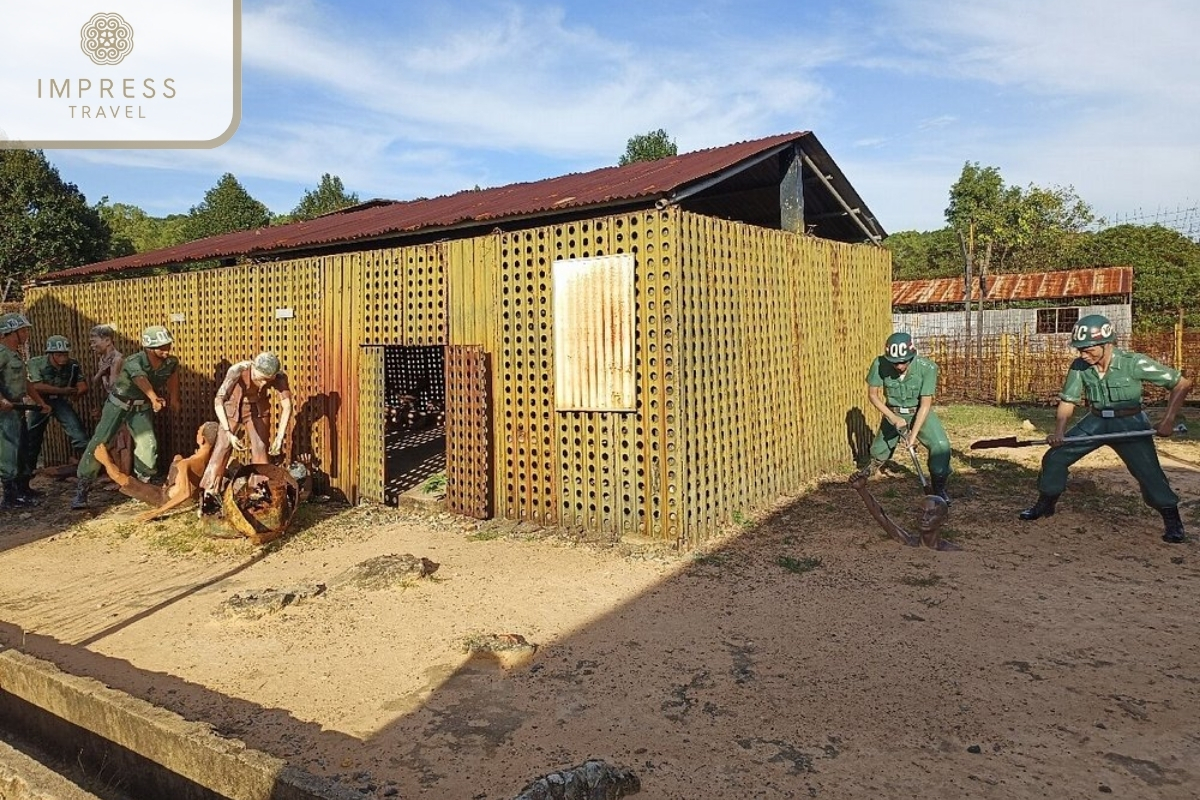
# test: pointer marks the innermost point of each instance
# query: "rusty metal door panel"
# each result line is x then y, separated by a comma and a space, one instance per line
468, 432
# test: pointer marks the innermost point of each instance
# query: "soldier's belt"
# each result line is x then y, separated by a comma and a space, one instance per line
128, 405
1112, 413
904, 410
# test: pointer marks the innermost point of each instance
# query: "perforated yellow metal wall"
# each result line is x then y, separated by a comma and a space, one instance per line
776, 332
608, 472
750, 351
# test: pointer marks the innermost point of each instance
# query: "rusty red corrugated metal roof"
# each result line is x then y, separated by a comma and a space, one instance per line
1097, 282
641, 181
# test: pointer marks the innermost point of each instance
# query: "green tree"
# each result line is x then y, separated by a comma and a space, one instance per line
1166, 271
1017, 229
920, 255
135, 231
45, 222
648, 147
329, 196
226, 207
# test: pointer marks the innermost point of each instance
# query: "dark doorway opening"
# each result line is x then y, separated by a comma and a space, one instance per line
414, 420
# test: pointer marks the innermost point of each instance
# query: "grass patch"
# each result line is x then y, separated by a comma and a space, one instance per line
798, 566
741, 519
435, 484
711, 559
921, 580
961, 415
954, 534
485, 535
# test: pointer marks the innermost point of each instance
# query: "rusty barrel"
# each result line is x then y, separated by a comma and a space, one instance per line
260, 501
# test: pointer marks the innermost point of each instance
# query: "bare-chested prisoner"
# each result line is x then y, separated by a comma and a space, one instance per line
183, 479
929, 526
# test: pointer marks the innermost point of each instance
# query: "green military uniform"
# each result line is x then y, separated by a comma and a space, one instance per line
42, 370
13, 433
903, 392
128, 405
1115, 400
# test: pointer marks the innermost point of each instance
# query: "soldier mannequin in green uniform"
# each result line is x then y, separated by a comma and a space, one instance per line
135, 397
1110, 380
901, 386
57, 378
14, 387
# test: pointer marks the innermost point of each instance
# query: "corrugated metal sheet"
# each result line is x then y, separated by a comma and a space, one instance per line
593, 333
642, 183
1098, 282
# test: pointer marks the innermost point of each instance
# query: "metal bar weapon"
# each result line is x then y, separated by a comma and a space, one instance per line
1012, 441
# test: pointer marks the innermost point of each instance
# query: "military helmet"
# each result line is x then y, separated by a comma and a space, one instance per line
156, 336
12, 322
899, 348
267, 364
1092, 330
58, 344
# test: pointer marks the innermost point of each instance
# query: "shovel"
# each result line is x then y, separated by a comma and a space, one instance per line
912, 451
1012, 441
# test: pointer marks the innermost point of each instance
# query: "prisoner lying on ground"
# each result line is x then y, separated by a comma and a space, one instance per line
929, 526
183, 479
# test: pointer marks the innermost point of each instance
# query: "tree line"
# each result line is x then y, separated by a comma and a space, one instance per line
46, 223
1009, 229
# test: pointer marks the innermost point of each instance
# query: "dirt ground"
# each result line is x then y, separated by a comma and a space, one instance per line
803, 655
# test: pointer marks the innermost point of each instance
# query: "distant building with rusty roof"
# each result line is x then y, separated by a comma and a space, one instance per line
1031, 304
625, 351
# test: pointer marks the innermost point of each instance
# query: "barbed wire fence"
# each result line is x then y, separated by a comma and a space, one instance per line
1184, 217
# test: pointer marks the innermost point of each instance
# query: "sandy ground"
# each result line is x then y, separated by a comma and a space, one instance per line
804, 655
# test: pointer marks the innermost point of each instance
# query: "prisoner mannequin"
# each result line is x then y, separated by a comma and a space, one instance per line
109, 360
243, 401
929, 525
183, 479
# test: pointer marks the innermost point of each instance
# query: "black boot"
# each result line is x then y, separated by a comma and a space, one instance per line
26, 490
13, 497
938, 487
81, 494
1044, 507
1174, 526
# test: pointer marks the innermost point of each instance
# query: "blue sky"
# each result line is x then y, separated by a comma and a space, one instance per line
408, 99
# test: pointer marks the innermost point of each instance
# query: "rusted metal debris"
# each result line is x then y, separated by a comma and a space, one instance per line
259, 501
591, 780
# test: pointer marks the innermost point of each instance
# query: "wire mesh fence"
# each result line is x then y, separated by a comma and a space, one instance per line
1014, 369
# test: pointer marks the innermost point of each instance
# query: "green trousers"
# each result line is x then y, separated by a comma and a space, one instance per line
14, 439
1140, 457
145, 443
932, 435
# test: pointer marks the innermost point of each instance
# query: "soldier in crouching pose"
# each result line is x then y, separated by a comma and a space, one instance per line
57, 378
1110, 380
901, 386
